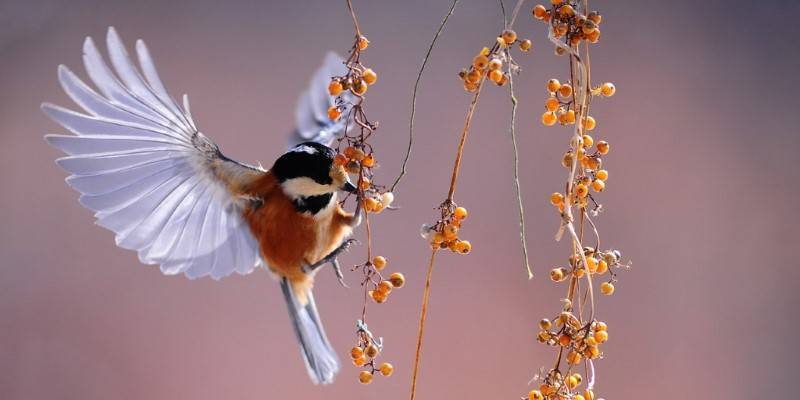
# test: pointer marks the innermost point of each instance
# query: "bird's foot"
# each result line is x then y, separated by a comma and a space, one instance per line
331, 258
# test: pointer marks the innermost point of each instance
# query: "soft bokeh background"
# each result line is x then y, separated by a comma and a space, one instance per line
701, 196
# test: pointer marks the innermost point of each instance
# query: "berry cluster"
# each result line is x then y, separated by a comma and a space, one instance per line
364, 355
444, 233
490, 62
568, 24
380, 288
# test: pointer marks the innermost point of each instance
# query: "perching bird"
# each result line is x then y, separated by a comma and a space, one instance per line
167, 191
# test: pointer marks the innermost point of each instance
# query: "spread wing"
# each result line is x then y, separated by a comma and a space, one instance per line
149, 175
311, 113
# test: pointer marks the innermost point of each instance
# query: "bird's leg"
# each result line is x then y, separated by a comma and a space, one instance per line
356, 219
338, 270
331, 258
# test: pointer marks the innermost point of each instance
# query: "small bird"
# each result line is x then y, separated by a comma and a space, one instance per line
167, 192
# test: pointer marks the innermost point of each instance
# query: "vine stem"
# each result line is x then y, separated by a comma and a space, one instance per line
414, 95
355, 20
523, 236
463, 140
423, 313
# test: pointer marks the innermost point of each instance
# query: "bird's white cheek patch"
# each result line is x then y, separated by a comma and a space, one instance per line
304, 187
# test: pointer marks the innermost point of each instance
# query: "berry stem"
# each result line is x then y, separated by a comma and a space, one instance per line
423, 313
463, 140
355, 20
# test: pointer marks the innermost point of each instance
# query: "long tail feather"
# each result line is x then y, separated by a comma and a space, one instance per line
319, 356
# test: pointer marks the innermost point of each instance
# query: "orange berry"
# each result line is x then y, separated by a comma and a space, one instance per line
556, 2
573, 357
509, 36
566, 160
397, 279
385, 287
470, 87
496, 76
601, 336
525, 45
358, 362
601, 174
545, 324
557, 274
463, 246
371, 205
607, 288
474, 76
553, 85
590, 123
450, 232
369, 161
379, 296
334, 113
570, 116
539, 11
552, 104
602, 267
598, 185
588, 141
480, 61
549, 118
335, 88
603, 147
365, 377
535, 394
600, 326
460, 213
371, 351
588, 394
581, 190
565, 90
369, 76
379, 262
591, 264
556, 198
564, 340
386, 369
349, 151
566, 11
608, 89
359, 87
340, 160
363, 43
356, 352
496, 63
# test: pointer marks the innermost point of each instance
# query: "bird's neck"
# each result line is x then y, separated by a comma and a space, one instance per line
313, 204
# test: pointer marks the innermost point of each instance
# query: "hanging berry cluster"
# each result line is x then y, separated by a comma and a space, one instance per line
489, 62
356, 155
575, 332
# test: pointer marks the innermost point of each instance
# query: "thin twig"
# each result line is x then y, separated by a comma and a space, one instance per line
425, 297
463, 140
414, 94
523, 236
355, 20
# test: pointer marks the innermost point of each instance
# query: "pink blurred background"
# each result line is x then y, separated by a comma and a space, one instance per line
703, 177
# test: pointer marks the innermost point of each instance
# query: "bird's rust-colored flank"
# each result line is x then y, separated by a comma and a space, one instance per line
289, 239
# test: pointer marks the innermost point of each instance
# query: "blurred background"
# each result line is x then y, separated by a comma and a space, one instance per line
703, 178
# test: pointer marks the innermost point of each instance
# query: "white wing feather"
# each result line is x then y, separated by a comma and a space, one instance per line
311, 113
142, 166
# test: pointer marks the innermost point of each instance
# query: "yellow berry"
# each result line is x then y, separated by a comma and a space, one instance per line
460, 213
607, 288
608, 89
601, 336
581, 190
397, 279
602, 267
545, 324
359, 87
571, 382
437, 238
553, 85
601, 326
358, 362
566, 160
565, 90
334, 113
535, 394
474, 76
369, 76
549, 118
573, 357
379, 262
496, 76
485, 51
365, 377
570, 117
385, 287
591, 264
567, 11
356, 352
551, 104
335, 88
450, 232
590, 123
525, 45
386, 369
602, 175
369, 161
379, 296
588, 394
509, 36
578, 397
463, 246
598, 185
556, 198
557, 274
603, 147
363, 43
588, 141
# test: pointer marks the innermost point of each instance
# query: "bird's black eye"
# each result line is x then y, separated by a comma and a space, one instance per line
306, 160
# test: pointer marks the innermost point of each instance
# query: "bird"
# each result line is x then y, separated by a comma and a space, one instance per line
167, 192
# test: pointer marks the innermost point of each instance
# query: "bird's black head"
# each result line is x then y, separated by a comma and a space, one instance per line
307, 174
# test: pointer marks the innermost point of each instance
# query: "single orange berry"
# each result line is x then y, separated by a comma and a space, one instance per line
349, 151
335, 88
557, 274
356, 352
379, 296
556, 198
590, 123
588, 394
474, 76
539, 11
463, 246
385, 287
369, 76
570, 117
379, 262
495, 63
603, 147
365, 377
535, 394
607, 288
598, 185
450, 232
567, 11
509, 36
340, 160
460, 213
480, 61
359, 362
588, 141
602, 267
556, 2
581, 190
565, 90
359, 87
600, 326
553, 85
363, 43
386, 369
525, 45
369, 161
591, 264
564, 340
334, 113
371, 205
608, 89
545, 324
601, 336
549, 118
601, 174
551, 104
397, 279
371, 351
496, 76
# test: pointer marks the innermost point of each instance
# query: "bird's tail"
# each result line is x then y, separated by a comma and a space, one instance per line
320, 358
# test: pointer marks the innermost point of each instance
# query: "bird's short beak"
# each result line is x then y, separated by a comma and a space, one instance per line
349, 187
